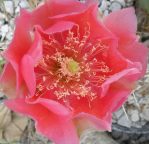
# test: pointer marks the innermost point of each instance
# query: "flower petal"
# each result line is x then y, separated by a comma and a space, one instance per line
22, 39
56, 28
8, 81
35, 51
57, 7
86, 121
122, 23
55, 127
60, 27
117, 89
116, 77
20, 44
52, 105
27, 69
136, 52
88, 19
69, 7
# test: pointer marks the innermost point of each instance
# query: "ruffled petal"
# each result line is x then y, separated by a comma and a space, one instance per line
57, 7
27, 69
86, 121
20, 45
58, 27
35, 51
122, 23
134, 72
8, 81
52, 105
22, 39
117, 89
89, 21
56, 127
136, 53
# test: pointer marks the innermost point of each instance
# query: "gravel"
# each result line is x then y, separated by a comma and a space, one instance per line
137, 106
108, 6
95, 137
115, 6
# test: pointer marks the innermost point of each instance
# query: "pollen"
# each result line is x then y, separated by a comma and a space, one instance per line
73, 66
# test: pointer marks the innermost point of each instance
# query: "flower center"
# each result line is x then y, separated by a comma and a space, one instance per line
73, 66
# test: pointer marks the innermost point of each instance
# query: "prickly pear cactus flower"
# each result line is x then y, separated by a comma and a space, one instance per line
69, 69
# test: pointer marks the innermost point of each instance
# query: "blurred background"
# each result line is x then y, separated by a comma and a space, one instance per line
130, 123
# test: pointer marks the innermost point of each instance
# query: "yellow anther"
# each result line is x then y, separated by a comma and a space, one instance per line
73, 66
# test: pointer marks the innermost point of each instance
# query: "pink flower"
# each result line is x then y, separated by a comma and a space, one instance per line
68, 69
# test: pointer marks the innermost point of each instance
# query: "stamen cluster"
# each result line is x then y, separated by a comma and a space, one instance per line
69, 66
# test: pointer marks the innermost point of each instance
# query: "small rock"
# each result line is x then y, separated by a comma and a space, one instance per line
119, 113
2, 140
147, 43
129, 2
20, 121
2, 19
1, 134
24, 4
9, 7
17, 10
130, 99
135, 116
1, 94
4, 28
104, 5
16, 3
123, 121
9, 36
94, 137
5, 116
12, 133
115, 6
14, 130
3, 31
108, 3
121, 2
145, 112
2, 16
106, 12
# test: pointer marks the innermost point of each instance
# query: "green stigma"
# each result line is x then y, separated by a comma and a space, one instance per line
73, 66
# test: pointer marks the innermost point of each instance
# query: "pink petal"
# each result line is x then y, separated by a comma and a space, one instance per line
69, 7
56, 28
136, 52
8, 81
27, 69
115, 98
134, 72
21, 41
88, 16
60, 27
85, 108
113, 58
35, 51
53, 106
122, 23
55, 127
57, 7
19, 46
117, 89
86, 121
